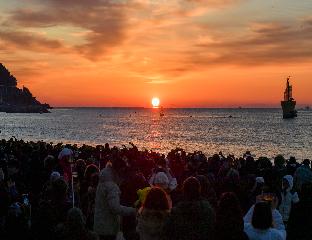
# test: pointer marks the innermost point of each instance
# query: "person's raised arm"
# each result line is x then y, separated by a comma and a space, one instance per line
113, 199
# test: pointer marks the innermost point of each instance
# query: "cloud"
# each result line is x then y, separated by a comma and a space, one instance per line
213, 2
145, 28
265, 43
105, 22
157, 80
30, 18
28, 41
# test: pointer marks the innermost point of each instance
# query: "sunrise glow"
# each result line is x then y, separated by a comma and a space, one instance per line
196, 53
155, 102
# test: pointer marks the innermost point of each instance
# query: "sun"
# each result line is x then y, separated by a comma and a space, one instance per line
155, 102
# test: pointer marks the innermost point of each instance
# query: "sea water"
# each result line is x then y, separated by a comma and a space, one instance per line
262, 131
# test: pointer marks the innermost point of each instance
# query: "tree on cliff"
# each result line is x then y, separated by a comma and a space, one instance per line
16, 98
6, 78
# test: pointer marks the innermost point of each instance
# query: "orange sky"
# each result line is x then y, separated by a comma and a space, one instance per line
189, 53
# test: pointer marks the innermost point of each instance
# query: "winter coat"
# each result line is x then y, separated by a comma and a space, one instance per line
288, 198
302, 175
47, 217
257, 234
276, 233
150, 224
229, 226
299, 226
107, 204
63, 233
190, 220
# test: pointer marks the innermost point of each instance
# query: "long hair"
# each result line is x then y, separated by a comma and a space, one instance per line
262, 216
156, 199
229, 218
89, 171
228, 206
191, 189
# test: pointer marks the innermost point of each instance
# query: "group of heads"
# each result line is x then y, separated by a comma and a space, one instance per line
157, 198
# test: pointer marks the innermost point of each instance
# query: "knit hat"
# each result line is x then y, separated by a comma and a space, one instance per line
290, 180
161, 179
55, 176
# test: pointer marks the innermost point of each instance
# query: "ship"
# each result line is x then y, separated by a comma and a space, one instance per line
289, 103
161, 113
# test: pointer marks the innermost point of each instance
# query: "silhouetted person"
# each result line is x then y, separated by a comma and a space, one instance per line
107, 202
153, 214
229, 219
288, 197
263, 225
299, 225
192, 218
51, 212
303, 175
75, 227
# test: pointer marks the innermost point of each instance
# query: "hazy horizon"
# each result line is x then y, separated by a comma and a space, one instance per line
300, 106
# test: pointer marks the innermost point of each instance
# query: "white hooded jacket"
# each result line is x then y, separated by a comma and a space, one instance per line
288, 198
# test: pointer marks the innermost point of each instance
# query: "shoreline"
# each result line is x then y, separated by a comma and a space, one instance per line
129, 145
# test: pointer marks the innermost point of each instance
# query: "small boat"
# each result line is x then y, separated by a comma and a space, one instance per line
161, 113
289, 103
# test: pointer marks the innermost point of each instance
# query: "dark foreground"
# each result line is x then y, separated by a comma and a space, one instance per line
183, 195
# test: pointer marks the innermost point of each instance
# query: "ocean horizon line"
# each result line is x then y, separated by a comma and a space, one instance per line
125, 107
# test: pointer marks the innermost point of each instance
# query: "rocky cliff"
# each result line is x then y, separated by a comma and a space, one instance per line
14, 99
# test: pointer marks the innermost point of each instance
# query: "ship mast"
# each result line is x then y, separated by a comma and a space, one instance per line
289, 104
288, 91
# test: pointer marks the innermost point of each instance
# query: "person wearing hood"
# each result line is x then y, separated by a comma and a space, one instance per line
163, 177
108, 209
65, 158
288, 197
161, 180
152, 214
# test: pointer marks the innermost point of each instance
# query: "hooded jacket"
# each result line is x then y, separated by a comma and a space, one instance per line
107, 204
288, 198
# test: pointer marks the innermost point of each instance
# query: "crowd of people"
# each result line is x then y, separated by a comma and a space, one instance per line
70, 192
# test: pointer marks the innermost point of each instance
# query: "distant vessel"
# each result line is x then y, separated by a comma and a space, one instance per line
289, 104
161, 113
